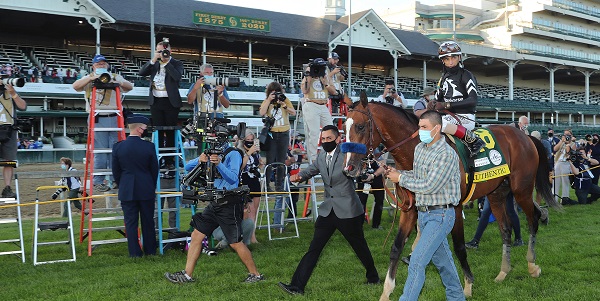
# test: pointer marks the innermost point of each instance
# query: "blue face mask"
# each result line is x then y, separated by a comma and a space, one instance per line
425, 136
209, 76
101, 70
63, 166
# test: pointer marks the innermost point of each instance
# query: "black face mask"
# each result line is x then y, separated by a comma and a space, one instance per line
329, 146
144, 133
550, 135
248, 144
594, 141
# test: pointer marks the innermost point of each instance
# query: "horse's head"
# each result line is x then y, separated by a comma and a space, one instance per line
361, 130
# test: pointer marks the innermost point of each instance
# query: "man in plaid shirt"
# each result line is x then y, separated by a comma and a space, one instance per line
435, 181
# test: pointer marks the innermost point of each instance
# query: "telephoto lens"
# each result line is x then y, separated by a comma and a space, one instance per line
15, 82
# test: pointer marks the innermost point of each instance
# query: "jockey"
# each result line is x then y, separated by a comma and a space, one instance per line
457, 94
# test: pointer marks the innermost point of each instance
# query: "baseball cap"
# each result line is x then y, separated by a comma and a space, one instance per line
334, 55
98, 58
428, 91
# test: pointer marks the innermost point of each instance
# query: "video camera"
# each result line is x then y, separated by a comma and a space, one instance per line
316, 67
166, 53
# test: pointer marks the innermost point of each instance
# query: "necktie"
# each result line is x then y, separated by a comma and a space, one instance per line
328, 161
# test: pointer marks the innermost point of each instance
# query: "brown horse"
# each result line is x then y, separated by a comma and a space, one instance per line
374, 123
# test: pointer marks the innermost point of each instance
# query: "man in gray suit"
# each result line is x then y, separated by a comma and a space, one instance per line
341, 210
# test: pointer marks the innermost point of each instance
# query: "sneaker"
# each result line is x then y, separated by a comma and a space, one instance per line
518, 242
254, 278
114, 185
209, 252
179, 277
8, 193
473, 244
101, 188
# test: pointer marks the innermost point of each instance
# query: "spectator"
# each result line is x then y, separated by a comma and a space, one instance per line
593, 151
579, 165
546, 144
247, 229
72, 183
186, 143
106, 99
484, 219
562, 167
391, 96
11, 101
135, 168
374, 183
522, 125
251, 173
226, 212
32, 144
435, 165
341, 211
68, 73
30, 74
39, 143
295, 157
164, 98
316, 91
202, 96
420, 106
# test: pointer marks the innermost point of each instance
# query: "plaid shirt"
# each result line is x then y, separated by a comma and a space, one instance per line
435, 178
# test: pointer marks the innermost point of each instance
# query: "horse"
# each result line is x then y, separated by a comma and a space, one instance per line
372, 123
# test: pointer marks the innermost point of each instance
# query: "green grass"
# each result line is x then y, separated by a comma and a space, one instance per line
567, 250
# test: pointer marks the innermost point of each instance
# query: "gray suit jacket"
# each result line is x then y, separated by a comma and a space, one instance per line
340, 194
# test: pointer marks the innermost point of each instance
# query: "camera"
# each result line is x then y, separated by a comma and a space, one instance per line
166, 53
343, 71
268, 121
189, 127
15, 82
568, 137
223, 81
279, 96
575, 156
316, 67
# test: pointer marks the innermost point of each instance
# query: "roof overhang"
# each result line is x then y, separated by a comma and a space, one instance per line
73, 8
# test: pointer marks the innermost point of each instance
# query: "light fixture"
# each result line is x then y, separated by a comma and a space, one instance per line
304, 44
80, 22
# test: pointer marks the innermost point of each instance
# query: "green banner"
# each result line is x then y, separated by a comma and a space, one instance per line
228, 21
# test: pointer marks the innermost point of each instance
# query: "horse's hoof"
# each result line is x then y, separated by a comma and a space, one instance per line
534, 270
468, 291
500, 277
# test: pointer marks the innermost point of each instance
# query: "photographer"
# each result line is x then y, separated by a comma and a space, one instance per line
226, 212
337, 75
106, 99
391, 96
251, 173
10, 101
164, 98
316, 87
276, 109
562, 167
73, 184
579, 163
202, 95
373, 180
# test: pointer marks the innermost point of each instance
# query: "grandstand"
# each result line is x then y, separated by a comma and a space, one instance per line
515, 78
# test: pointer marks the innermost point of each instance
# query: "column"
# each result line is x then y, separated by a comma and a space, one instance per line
395, 56
203, 50
424, 74
543, 118
293, 87
511, 67
250, 61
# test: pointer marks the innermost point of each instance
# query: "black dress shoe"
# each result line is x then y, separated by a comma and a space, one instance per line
290, 289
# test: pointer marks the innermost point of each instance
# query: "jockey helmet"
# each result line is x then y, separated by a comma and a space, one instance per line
449, 48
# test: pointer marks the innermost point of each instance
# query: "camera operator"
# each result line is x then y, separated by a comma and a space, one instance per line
164, 98
316, 87
106, 99
391, 96
561, 165
276, 108
593, 150
251, 173
202, 95
337, 75
10, 101
226, 212
579, 162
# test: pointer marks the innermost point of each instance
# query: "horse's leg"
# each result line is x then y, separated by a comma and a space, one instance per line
407, 223
497, 201
525, 200
458, 240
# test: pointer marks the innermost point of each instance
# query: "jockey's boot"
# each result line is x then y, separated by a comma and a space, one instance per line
474, 143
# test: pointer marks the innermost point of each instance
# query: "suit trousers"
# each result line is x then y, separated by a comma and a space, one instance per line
351, 229
133, 211
163, 113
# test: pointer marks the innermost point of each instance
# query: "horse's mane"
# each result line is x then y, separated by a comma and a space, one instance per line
410, 116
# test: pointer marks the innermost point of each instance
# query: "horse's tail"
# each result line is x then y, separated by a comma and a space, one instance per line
542, 177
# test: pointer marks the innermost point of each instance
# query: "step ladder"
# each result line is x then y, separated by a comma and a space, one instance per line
54, 225
5, 222
163, 193
282, 203
87, 212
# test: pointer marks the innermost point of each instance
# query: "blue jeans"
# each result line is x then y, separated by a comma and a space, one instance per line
433, 247
487, 211
104, 140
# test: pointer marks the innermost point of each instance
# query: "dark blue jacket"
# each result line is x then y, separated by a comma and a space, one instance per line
135, 169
